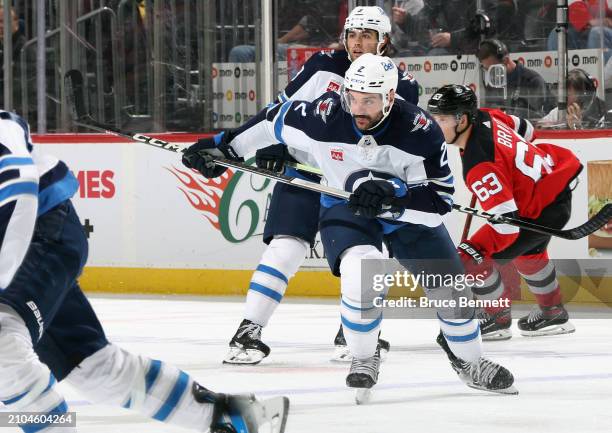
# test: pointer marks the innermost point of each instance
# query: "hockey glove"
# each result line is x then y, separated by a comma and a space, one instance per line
375, 197
272, 157
474, 261
199, 156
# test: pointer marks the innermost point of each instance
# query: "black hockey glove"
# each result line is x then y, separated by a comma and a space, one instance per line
374, 197
198, 156
272, 157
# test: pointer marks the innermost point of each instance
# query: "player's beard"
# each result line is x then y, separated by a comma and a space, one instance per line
370, 124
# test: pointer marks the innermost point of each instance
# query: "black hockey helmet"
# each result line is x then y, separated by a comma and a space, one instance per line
454, 99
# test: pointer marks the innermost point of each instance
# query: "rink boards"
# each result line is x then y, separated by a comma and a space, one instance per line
156, 227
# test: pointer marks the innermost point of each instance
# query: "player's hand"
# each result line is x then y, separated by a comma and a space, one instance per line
473, 260
272, 157
198, 157
374, 197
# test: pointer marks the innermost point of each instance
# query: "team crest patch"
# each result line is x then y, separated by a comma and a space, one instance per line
337, 153
333, 87
421, 122
324, 108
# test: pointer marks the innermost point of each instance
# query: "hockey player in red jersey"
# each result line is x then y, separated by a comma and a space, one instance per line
509, 175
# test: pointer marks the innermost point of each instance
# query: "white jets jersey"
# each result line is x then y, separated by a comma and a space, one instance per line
324, 72
30, 185
408, 146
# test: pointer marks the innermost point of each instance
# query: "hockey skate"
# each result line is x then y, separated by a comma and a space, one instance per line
546, 321
363, 376
246, 346
244, 413
483, 374
496, 326
343, 354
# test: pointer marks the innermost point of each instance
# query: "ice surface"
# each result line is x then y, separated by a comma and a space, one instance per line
565, 382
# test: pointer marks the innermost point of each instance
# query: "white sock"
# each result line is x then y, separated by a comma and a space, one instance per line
278, 265
158, 390
361, 328
26, 384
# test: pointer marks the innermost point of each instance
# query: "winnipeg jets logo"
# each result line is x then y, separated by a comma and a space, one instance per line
337, 153
324, 108
420, 122
407, 77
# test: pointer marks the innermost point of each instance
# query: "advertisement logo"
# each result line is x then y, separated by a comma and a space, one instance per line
229, 95
251, 95
401, 66
215, 72
575, 60
337, 153
333, 87
96, 184
238, 117
454, 65
548, 61
228, 202
427, 66
237, 72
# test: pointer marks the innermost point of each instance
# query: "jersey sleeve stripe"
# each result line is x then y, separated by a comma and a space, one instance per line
505, 229
280, 121
18, 189
505, 207
9, 162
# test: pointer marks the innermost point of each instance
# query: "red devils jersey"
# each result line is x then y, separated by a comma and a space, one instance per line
508, 173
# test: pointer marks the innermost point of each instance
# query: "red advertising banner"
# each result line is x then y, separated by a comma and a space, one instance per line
297, 56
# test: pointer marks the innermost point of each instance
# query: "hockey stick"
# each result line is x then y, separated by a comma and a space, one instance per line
76, 98
468, 220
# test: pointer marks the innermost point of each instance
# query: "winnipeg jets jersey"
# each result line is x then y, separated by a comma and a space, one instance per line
509, 174
30, 185
408, 146
324, 72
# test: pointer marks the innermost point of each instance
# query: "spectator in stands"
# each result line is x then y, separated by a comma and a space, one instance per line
318, 26
526, 94
452, 26
406, 27
587, 28
584, 109
18, 42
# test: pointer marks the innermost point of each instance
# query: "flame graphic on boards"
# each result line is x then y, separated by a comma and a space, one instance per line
203, 194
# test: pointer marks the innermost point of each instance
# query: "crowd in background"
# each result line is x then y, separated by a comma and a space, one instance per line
420, 28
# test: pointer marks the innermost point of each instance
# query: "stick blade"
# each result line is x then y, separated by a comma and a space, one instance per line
75, 93
591, 226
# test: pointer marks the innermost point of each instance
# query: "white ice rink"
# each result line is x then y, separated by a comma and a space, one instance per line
565, 382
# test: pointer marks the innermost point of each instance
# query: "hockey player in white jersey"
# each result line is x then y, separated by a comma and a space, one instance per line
381, 149
49, 331
292, 222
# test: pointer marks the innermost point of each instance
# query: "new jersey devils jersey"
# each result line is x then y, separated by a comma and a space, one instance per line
509, 174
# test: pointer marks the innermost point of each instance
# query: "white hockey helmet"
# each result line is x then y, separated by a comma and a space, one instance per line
368, 17
371, 74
